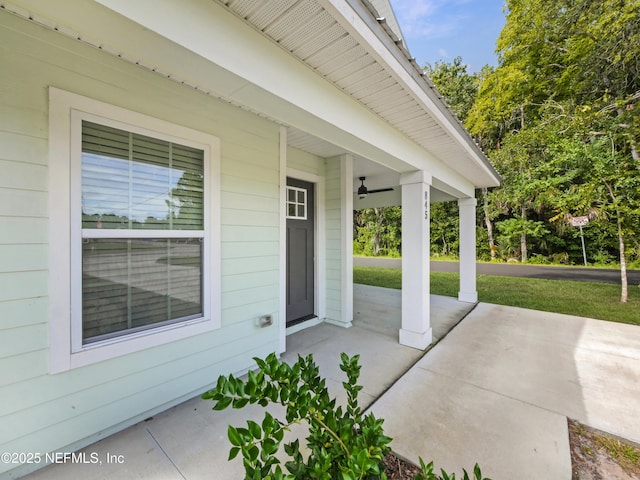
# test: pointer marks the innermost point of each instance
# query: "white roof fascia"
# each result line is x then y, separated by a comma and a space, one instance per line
385, 10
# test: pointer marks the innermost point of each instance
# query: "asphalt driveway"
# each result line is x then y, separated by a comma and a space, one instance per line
580, 274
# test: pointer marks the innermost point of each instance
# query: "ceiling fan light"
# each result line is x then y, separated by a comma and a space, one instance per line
362, 190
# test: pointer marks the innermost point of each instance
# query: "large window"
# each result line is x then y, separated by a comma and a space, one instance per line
143, 239
132, 182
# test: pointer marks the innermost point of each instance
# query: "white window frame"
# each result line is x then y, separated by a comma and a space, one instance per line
296, 203
66, 112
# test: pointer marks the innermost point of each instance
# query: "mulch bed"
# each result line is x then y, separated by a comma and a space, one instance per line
397, 468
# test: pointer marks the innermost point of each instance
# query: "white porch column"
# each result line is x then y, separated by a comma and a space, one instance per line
346, 214
468, 290
338, 290
416, 325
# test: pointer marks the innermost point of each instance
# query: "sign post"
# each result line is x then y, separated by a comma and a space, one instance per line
580, 222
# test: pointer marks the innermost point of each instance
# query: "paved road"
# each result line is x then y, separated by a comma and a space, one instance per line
516, 270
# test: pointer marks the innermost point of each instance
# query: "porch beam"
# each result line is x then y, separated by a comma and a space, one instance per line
416, 328
468, 289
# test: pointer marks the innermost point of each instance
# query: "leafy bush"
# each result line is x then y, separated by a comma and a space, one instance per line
560, 258
427, 473
342, 443
536, 259
603, 257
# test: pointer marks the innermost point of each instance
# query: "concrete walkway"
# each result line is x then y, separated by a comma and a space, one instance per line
499, 388
495, 390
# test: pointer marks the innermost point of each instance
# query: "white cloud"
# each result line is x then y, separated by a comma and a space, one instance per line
418, 9
443, 29
415, 16
427, 18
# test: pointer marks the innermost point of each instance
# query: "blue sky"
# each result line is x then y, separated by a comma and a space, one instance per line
444, 29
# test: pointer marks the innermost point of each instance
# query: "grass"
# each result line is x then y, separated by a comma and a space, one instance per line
631, 264
624, 453
627, 455
585, 299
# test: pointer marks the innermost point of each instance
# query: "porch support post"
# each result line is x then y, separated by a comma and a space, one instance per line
346, 238
339, 244
468, 290
416, 329
282, 303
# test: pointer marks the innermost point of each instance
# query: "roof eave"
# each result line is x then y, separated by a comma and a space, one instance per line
401, 54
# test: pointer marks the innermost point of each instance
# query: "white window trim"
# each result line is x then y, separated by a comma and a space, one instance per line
66, 110
296, 203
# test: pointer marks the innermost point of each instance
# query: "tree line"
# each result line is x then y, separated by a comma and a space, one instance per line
559, 119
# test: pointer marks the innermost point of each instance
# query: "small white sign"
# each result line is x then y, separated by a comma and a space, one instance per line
579, 221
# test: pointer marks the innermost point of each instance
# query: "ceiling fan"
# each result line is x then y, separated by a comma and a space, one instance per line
363, 191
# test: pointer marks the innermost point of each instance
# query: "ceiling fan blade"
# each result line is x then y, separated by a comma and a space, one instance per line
381, 190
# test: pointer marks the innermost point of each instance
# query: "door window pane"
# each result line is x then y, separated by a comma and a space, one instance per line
296, 203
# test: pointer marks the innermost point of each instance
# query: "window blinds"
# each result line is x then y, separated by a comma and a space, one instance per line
133, 181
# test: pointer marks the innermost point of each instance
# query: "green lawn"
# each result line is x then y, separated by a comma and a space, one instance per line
593, 300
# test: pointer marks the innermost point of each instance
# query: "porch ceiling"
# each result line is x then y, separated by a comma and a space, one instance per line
377, 175
316, 146
309, 31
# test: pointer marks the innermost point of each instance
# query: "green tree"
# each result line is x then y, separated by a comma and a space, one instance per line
569, 75
457, 86
459, 89
444, 229
377, 231
605, 186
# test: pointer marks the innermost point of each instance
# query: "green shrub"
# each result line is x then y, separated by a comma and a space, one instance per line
427, 473
342, 442
561, 258
537, 259
603, 257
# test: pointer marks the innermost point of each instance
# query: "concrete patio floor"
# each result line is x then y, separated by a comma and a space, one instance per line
496, 390
190, 441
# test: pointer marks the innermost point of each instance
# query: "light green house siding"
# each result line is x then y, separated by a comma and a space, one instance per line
334, 234
305, 162
43, 412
